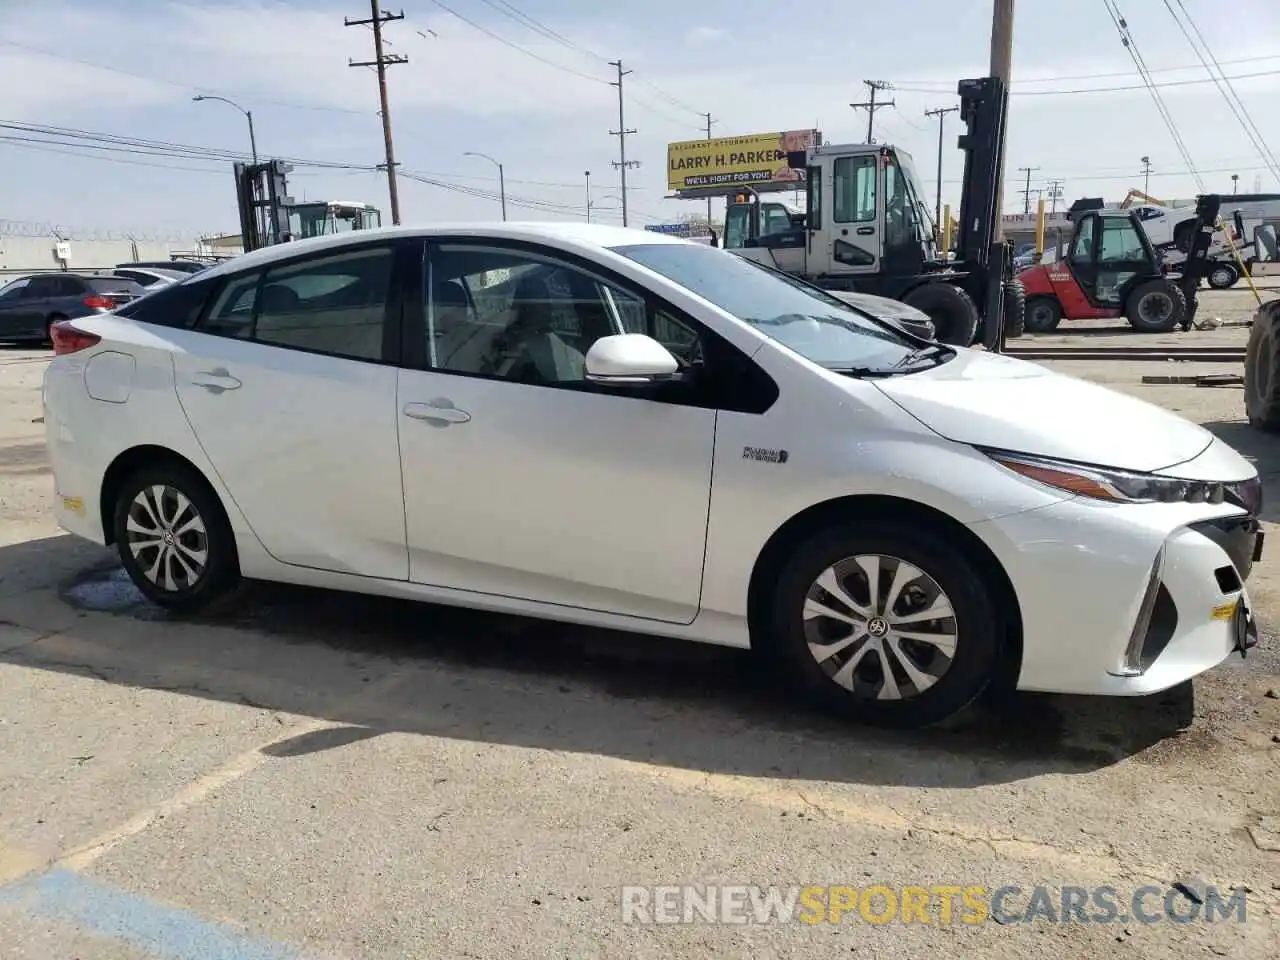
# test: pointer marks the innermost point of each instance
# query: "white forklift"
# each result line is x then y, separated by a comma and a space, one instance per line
865, 227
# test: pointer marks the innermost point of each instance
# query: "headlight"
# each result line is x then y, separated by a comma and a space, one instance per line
1118, 486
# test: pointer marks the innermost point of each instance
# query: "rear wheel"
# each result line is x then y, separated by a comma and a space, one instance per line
1156, 306
954, 316
1015, 308
885, 623
1043, 314
1223, 275
173, 537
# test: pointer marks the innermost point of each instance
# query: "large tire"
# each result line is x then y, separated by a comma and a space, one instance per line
1223, 276
826, 574
1262, 369
954, 316
190, 560
1015, 309
1043, 314
1156, 306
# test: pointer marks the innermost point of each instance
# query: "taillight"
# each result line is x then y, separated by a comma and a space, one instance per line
67, 339
97, 302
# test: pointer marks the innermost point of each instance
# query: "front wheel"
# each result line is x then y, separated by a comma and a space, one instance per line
1156, 306
885, 623
954, 315
173, 538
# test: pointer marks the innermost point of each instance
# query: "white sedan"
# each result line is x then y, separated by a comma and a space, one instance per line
612, 427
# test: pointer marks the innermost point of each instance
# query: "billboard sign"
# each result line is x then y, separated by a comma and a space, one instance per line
760, 158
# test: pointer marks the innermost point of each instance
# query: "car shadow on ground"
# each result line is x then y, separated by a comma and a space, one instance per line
1262, 449
516, 681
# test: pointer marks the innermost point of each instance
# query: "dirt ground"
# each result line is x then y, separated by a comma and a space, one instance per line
316, 775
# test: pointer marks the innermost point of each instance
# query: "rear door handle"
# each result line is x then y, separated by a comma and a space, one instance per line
215, 381
438, 412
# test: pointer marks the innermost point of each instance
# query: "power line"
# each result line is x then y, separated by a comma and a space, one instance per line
1131, 47
515, 46
178, 84
1225, 88
1083, 90
949, 85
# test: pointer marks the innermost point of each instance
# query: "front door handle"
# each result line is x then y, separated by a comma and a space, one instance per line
439, 412
215, 381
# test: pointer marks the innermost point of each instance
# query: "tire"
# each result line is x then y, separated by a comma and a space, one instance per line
201, 527
1156, 306
1015, 309
974, 631
1262, 369
48, 326
954, 316
1223, 276
1043, 314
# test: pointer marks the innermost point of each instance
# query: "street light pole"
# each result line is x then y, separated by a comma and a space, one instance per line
253, 143
587, 174
502, 183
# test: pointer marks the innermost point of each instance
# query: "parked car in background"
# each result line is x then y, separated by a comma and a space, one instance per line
619, 428
151, 277
30, 305
185, 266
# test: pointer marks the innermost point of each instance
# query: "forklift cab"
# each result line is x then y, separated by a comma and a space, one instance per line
864, 225
1109, 255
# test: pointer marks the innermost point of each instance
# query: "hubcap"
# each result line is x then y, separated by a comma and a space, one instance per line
167, 538
1155, 307
880, 627
1221, 276
1042, 314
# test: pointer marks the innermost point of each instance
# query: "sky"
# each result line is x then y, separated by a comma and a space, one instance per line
527, 82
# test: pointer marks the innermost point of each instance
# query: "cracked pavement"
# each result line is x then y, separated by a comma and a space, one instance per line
347, 777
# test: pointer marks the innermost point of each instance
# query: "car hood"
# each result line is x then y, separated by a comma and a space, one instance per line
997, 401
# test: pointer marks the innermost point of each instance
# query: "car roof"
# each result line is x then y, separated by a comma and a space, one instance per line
565, 235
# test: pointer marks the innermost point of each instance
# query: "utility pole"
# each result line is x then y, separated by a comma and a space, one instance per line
382, 60
1002, 67
1055, 194
1026, 193
1146, 175
622, 163
1235, 183
940, 113
709, 123
871, 106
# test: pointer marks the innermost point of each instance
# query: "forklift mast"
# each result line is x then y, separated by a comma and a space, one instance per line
984, 108
262, 197
1208, 208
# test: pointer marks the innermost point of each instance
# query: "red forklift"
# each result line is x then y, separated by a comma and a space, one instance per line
1110, 269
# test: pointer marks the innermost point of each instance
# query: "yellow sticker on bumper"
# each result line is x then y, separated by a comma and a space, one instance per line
74, 504
1226, 611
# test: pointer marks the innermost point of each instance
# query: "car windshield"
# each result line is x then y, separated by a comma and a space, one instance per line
816, 326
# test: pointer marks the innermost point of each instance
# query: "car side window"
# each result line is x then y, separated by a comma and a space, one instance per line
19, 289
70, 287
517, 316
42, 287
335, 305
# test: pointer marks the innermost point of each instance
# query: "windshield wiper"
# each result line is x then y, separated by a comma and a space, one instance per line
934, 351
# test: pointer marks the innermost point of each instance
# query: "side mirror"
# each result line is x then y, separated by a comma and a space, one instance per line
630, 359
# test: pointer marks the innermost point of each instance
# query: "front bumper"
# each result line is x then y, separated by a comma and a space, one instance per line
1127, 599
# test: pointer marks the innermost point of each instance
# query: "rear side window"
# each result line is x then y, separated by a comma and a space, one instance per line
177, 305
114, 285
